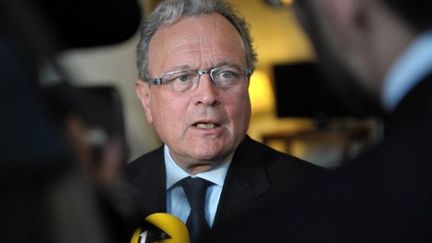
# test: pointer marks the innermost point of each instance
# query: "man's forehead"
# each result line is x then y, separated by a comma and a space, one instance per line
197, 25
193, 40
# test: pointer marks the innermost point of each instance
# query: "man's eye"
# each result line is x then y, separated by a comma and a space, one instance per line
228, 74
184, 78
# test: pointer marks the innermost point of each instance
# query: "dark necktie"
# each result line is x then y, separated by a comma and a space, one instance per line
195, 189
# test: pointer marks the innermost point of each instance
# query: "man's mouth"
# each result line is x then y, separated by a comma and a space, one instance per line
204, 125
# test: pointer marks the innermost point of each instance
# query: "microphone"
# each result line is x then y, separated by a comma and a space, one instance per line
163, 228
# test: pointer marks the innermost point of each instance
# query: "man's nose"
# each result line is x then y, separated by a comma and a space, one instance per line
207, 92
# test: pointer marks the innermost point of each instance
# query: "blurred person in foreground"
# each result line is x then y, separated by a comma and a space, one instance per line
195, 58
52, 188
384, 48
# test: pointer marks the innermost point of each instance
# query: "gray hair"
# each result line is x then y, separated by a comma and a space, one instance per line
169, 11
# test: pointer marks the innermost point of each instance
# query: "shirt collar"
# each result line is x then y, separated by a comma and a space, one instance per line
412, 66
175, 173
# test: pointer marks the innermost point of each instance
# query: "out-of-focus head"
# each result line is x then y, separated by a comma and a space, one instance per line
194, 60
358, 41
82, 23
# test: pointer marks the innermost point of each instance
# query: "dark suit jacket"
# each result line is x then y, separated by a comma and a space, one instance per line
383, 196
256, 174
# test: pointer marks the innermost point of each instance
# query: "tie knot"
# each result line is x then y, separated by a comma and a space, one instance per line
195, 189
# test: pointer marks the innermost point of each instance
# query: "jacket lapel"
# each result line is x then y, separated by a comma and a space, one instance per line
150, 182
246, 181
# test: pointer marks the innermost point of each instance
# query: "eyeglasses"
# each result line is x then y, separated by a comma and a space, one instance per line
224, 77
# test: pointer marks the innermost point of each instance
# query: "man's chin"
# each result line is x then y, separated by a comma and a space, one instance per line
213, 158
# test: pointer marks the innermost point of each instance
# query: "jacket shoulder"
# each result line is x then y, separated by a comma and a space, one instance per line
282, 169
271, 157
144, 162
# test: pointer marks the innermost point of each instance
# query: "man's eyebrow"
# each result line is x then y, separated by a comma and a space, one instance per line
190, 68
179, 68
227, 63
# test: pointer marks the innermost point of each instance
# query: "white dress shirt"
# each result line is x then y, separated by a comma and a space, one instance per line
176, 201
412, 66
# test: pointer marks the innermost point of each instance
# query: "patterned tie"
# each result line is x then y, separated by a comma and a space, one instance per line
195, 189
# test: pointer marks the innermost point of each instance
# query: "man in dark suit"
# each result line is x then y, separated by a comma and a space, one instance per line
384, 195
195, 59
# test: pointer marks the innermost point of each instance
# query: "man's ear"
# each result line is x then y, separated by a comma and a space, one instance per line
142, 89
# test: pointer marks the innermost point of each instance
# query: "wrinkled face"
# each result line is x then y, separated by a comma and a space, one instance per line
204, 125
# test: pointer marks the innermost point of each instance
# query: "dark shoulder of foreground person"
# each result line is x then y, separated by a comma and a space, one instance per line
281, 167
